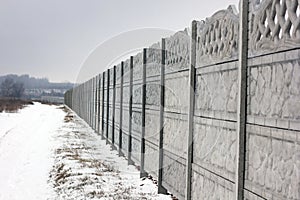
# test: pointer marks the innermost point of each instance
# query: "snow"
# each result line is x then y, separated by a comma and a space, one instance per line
25, 151
47, 152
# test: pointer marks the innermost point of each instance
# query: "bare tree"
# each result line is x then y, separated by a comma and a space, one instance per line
18, 90
7, 87
11, 89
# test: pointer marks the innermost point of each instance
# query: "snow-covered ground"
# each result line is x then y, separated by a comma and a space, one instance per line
47, 152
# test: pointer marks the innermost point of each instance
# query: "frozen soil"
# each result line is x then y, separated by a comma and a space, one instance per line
86, 168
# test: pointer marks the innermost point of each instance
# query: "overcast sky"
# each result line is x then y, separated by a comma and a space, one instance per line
53, 38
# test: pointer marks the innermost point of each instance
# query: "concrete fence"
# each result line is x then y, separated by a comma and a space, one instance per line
213, 113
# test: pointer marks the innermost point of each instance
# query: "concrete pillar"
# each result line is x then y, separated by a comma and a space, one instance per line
121, 109
142, 169
130, 162
161, 189
102, 114
242, 100
192, 75
107, 105
113, 108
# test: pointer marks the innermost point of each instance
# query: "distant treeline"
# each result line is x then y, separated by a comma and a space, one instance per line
36, 83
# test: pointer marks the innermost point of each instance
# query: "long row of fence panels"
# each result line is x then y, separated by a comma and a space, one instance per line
211, 113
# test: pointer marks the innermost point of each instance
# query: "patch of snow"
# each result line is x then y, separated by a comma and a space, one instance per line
45, 154
25, 151
86, 168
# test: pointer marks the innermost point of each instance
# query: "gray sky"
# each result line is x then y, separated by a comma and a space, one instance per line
53, 38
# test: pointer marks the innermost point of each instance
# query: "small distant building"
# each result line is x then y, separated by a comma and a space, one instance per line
52, 99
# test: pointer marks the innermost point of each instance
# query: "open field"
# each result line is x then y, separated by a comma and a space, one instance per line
13, 105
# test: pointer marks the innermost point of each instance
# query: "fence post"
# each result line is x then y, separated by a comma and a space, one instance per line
99, 93
192, 74
79, 103
85, 111
107, 104
85, 96
90, 101
102, 118
161, 189
86, 105
143, 172
130, 162
85, 92
82, 103
113, 109
242, 100
95, 103
121, 109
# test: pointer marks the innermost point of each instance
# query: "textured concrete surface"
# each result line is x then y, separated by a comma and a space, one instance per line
272, 165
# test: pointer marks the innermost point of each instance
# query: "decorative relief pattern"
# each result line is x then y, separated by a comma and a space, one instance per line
176, 93
217, 92
273, 164
177, 50
137, 94
215, 147
274, 25
153, 94
125, 143
152, 126
275, 91
126, 96
116, 136
125, 120
151, 159
137, 66
175, 134
111, 76
117, 116
126, 70
136, 150
205, 187
118, 95
174, 174
118, 74
153, 60
137, 122
154, 53
218, 37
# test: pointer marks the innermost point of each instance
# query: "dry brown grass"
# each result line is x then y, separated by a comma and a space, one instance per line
69, 116
13, 105
61, 175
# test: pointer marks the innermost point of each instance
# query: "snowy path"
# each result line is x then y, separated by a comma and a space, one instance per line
25, 151
46, 155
